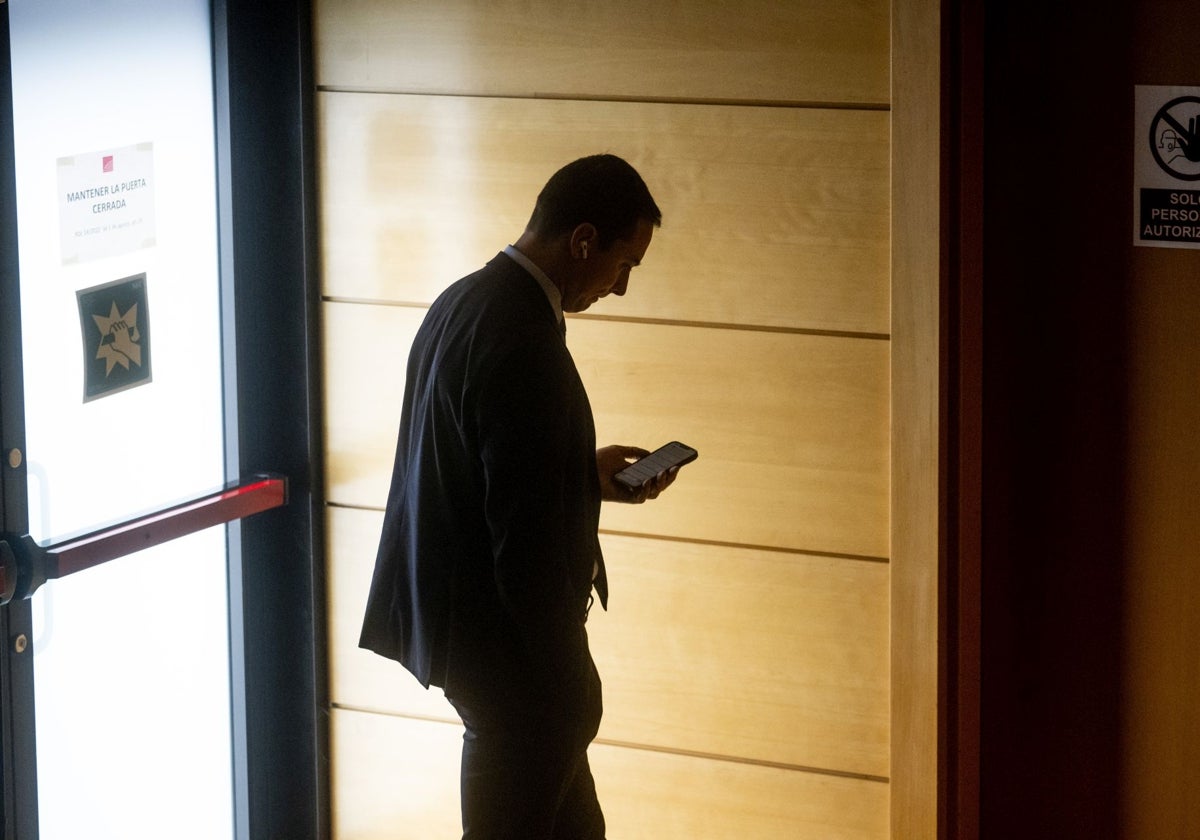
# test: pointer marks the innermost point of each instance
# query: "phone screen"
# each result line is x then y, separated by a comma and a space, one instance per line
673, 454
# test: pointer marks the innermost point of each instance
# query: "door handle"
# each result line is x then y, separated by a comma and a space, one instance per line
25, 564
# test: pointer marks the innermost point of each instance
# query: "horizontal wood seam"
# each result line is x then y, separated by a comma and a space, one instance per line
774, 549
650, 100
732, 759
662, 322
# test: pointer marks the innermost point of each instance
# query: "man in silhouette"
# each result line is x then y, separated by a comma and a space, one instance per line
489, 552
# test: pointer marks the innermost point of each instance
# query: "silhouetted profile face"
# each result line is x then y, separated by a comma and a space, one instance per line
605, 271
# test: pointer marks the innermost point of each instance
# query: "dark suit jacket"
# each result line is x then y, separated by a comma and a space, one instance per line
489, 540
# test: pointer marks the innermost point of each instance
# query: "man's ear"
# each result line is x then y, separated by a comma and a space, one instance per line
584, 240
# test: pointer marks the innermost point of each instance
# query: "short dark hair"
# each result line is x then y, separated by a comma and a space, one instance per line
603, 190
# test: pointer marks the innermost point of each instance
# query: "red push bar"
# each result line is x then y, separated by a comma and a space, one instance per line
231, 502
25, 565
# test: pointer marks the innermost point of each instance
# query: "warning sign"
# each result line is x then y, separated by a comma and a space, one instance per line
1166, 167
115, 321
1170, 216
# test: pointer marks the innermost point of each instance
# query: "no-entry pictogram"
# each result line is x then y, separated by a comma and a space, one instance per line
1166, 167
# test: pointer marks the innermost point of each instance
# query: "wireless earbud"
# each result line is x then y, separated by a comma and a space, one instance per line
583, 249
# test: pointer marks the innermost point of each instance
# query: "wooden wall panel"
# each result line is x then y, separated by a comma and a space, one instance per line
916, 435
752, 332
772, 217
366, 352
396, 779
768, 656
825, 51
393, 778
1161, 584
792, 429
1160, 676
359, 678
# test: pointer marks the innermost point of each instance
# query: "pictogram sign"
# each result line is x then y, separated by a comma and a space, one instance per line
1166, 167
115, 321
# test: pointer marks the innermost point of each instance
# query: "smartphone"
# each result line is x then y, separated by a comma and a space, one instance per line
674, 454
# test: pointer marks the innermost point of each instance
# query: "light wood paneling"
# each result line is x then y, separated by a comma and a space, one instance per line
652, 796
792, 432
771, 216
776, 657
358, 677
366, 352
397, 779
791, 429
755, 49
393, 778
776, 234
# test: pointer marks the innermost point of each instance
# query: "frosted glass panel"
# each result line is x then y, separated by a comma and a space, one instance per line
113, 116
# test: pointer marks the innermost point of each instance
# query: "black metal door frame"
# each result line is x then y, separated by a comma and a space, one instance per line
267, 240
18, 757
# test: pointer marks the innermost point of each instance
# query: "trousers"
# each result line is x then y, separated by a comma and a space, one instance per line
525, 772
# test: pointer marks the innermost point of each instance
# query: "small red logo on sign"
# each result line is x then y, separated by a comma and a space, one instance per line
108, 163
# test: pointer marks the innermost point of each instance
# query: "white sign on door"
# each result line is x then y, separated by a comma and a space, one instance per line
106, 202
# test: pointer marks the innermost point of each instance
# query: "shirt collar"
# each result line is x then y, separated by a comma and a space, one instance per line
552, 292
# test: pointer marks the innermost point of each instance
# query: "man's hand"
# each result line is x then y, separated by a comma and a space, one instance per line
610, 460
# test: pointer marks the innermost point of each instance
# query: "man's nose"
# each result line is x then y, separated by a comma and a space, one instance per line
620, 286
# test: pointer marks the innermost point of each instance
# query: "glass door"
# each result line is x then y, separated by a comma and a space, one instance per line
114, 428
